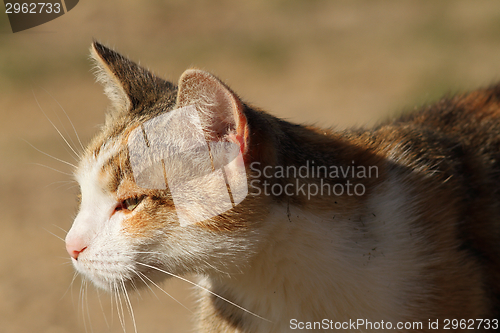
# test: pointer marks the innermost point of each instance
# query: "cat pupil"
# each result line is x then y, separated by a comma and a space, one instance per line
130, 203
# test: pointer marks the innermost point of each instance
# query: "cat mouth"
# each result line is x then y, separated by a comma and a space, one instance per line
104, 273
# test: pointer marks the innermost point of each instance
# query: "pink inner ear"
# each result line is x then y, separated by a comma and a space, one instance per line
241, 135
194, 87
239, 140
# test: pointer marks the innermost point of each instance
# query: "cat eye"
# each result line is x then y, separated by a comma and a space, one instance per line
130, 203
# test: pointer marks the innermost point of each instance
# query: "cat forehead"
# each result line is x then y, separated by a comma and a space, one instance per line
167, 127
90, 174
97, 158
143, 142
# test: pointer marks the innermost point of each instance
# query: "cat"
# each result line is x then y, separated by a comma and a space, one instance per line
292, 227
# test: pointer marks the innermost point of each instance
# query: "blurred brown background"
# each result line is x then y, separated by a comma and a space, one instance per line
331, 63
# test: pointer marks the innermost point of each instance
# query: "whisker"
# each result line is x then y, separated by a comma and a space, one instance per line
64, 263
62, 229
82, 305
87, 306
111, 302
119, 306
205, 289
136, 290
129, 305
57, 159
161, 254
70, 187
145, 283
54, 234
157, 286
62, 182
71, 144
144, 252
66, 259
70, 287
69, 119
102, 308
45, 166
134, 286
53, 125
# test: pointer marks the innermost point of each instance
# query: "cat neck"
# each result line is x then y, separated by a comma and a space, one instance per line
272, 287
312, 168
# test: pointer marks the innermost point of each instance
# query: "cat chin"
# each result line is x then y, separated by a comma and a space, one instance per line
130, 284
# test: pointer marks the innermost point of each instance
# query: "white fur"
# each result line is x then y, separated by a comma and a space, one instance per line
312, 267
97, 227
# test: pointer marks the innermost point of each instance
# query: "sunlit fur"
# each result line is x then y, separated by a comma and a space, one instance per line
420, 244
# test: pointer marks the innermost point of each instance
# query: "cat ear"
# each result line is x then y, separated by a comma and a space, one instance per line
127, 85
221, 111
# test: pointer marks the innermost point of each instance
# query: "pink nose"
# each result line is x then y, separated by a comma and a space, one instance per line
75, 247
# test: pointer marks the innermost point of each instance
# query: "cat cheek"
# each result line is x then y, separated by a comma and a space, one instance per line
139, 224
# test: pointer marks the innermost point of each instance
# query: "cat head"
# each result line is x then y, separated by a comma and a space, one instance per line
164, 184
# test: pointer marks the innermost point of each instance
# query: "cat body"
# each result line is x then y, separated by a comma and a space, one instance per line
352, 230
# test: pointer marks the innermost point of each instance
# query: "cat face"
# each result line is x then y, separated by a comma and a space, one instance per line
163, 186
